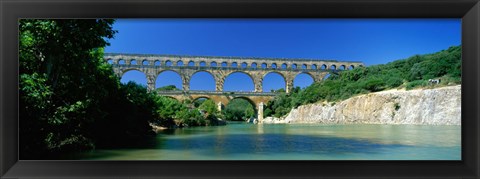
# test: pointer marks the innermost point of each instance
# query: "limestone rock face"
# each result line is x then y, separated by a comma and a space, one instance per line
439, 106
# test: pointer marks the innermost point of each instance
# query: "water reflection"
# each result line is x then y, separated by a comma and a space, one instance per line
239, 141
275, 143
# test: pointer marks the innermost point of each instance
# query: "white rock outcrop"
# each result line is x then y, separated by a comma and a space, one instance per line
273, 120
439, 106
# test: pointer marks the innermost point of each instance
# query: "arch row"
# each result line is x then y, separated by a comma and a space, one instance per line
222, 62
219, 76
222, 100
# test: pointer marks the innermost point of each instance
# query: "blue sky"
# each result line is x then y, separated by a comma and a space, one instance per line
372, 41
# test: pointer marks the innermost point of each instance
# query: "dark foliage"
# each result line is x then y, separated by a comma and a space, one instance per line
70, 100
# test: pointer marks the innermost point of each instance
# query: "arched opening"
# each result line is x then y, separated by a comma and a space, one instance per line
191, 63
239, 109
133, 62
145, 62
213, 64
224, 64
168, 63
360, 65
202, 64
202, 80
264, 65
342, 67
110, 61
333, 67
168, 81
324, 67
273, 82
234, 65
121, 62
314, 67
294, 66
199, 101
157, 63
304, 66
244, 65
274, 65
326, 76
254, 65
284, 66
238, 81
134, 76
351, 67
302, 80
179, 63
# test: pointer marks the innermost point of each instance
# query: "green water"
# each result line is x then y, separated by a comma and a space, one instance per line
240, 141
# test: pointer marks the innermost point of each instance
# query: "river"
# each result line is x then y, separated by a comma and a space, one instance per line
241, 141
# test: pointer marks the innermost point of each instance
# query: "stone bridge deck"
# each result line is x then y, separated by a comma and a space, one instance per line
202, 92
221, 67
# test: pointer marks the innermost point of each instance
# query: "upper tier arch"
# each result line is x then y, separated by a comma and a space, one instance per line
152, 65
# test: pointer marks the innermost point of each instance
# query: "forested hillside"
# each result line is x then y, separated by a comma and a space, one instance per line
413, 72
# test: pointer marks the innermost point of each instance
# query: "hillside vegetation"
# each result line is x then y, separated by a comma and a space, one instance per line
413, 72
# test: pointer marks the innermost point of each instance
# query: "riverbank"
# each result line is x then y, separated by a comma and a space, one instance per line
438, 106
180, 124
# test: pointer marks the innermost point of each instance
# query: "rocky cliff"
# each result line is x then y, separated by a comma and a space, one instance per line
439, 106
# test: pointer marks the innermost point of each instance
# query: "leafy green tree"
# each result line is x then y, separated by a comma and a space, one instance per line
238, 109
374, 84
185, 114
249, 113
267, 112
70, 98
190, 117
167, 107
62, 84
209, 107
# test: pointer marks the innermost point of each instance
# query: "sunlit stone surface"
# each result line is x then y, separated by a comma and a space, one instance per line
439, 106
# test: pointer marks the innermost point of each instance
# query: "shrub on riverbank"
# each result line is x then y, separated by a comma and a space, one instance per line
172, 113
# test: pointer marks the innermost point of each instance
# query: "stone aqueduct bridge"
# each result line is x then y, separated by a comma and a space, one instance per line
220, 68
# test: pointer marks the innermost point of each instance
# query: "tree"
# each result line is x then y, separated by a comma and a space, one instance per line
62, 83
238, 109
70, 99
209, 107
249, 113
168, 107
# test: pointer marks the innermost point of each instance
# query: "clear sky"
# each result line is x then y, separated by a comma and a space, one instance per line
372, 41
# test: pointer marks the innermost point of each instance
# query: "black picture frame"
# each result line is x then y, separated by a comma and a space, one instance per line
11, 11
